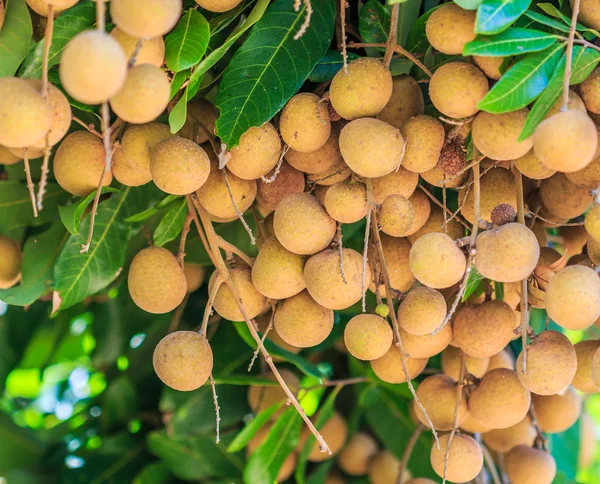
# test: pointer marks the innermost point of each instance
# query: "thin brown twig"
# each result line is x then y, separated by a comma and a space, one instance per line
209, 304
524, 289
338, 238
442, 206
30, 185
539, 217
272, 178
264, 337
217, 408
365, 257
408, 451
398, 49
344, 45
184, 233
239, 214
585, 43
47, 44
229, 247
89, 127
569, 59
459, 394
392, 40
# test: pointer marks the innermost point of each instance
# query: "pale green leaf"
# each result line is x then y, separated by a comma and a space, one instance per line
187, 42
514, 41
494, 16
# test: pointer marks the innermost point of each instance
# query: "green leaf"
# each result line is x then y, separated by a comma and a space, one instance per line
20, 446
171, 224
523, 82
514, 41
15, 36
374, 23
417, 38
70, 215
321, 472
499, 291
584, 62
473, 282
187, 42
548, 22
564, 447
494, 16
249, 431
266, 461
120, 401
155, 473
270, 66
407, 14
555, 12
329, 65
66, 26
468, 4
178, 80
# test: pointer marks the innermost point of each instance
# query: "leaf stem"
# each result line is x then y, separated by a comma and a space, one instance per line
569, 60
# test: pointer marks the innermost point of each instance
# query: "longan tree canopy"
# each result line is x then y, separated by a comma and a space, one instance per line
302, 241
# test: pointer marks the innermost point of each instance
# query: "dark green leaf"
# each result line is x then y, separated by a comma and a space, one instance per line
66, 26
468, 4
219, 23
249, 431
171, 224
514, 41
329, 65
119, 402
473, 282
271, 66
155, 473
417, 39
15, 36
70, 215
20, 446
523, 82
321, 472
187, 42
407, 14
584, 62
374, 22
499, 291
494, 16
555, 12
547, 21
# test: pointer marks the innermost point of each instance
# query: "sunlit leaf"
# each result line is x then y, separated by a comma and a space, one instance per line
249, 431
187, 42
494, 16
514, 41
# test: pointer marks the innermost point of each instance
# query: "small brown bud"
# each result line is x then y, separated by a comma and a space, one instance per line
503, 214
452, 158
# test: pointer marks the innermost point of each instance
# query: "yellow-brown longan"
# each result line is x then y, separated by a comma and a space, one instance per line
450, 27
61, 114
589, 91
304, 124
7, 157
257, 154
289, 464
424, 137
385, 469
41, 6
497, 187
398, 182
503, 440
465, 458
583, 380
490, 65
346, 202
151, 52
406, 101
496, 135
334, 432
396, 251
225, 304
592, 222
326, 158
557, 413
451, 361
389, 367
563, 198
435, 223
437, 394
422, 311
436, 261
589, 13
368, 336
219, 6
10, 263
532, 167
427, 345
528, 465
397, 216
356, 457
588, 177
155, 19
194, 275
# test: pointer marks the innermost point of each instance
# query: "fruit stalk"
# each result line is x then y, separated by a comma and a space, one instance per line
30, 186
459, 390
569, 60
392, 36
524, 303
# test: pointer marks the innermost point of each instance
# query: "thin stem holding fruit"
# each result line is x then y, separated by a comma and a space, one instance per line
459, 395
569, 60
30, 186
524, 289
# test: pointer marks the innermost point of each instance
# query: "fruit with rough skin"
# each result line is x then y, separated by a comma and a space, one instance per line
152, 50
496, 135
289, 464
346, 202
220, 6
389, 367
437, 394
450, 28
262, 397
302, 322
589, 87
490, 65
503, 440
356, 457
286, 182
596, 366
563, 198
263, 320
435, 223
183, 360
319, 161
527, 465
385, 469
424, 137
156, 282
575, 103
7, 157
422, 311
438, 178
427, 345
61, 114
584, 376
473, 426
154, 20
400, 182
336, 174
436, 261
397, 216
257, 154
368, 336
557, 413
532, 167
194, 275
362, 89
10, 263
450, 362
588, 177
406, 102
465, 458
334, 432
395, 251
497, 187
304, 124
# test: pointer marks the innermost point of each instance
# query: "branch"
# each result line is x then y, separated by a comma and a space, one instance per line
524, 308
392, 36
569, 61
344, 46
264, 337
30, 185
229, 247
210, 302
217, 408
442, 206
398, 49
408, 451
89, 127
363, 284
239, 214
459, 389
184, 233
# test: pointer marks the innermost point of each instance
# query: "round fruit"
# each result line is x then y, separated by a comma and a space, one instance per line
439, 178
465, 459
105, 67
526, 465
41, 6
257, 154
502, 440
220, 6
278, 273
584, 377
302, 225
472, 426
588, 177
496, 135
10, 263
575, 103
437, 394
337, 174
304, 124
451, 357
456, 88
557, 413
183, 360
389, 367
302, 322
286, 182
502, 360
596, 367
7, 157
263, 322
573, 297
156, 282
368, 336
358, 454
334, 432
422, 311
61, 114
154, 20
152, 51
346, 202
400, 182
449, 28
263, 397
225, 304
363, 89
532, 167
435, 223
289, 464
385, 469
436, 261
79, 163
425, 346
508, 253
194, 275
406, 101
589, 90
491, 66
326, 158
395, 252
370, 147
397, 216
563, 198
424, 137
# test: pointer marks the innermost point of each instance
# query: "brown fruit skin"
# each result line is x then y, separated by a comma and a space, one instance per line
557, 413
489, 65
261, 398
397, 216
401, 182
385, 468
257, 154
79, 163
368, 337
289, 464
484, 340
465, 458
154, 20
302, 225
334, 431
589, 91
194, 276
495, 135
450, 27
389, 367
563, 198
508, 253
278, 273
436, 177
456, 88
584, 379
183, 360
225, 305
500, 400
10, 263
596, 367
61, 114
155, 280
551, 364
324, 281
426, 346
573, 297
424, 137
302, 322
395, 251
337, 174
319, 161
287, 182
406, 102
526, 465
362, 90
435, 224
532, 167
220, 6
7, 157
422, 311
358, 454
503, 440
451, 364
588, 177
437, 394
422, 207
346, 202
304, 124
151, 52
436, 261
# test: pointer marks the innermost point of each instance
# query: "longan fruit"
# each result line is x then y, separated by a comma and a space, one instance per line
422, 208
527, 465
302, 225
557, 413
395, 251
490, 65
575, 103
156, 282
105, 66
346, 202
385, 469
194, 275
456, 88
286, 182
502, 360
424, 137
508, 253
183, 360
496, 135
397, 216
215, 197
199, 112
319, 161
589, 88
356, 457
41, 6
367, 336
427, 345
334, 432
262, 397
263, 321
450, 362
588, 177
437, 394
334, 479
79, 163
257, 154
436, 261
302, 322
500, 400
449, 28
337, 174
144, 95
289, 464
154, 20
435, 223
573, 297
389, 367
363, 89
420, 480
220, 6
596, 365
25, 116
131, 159
7, 158
61, 114
583, 379
483, 341
422, 311
32, 154
473, 426
400, 182
465, 459
406, 101
532, 167
10, 263
370, 147
224, 303
151, 52
438, 178
503, 440
278, 273
304, 123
